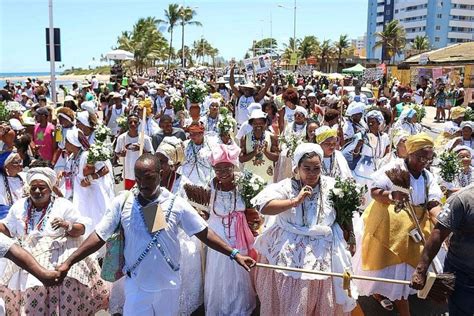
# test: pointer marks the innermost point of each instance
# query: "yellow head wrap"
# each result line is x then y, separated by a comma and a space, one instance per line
417, 142
147, 105
217, 95
323, 133
457, 112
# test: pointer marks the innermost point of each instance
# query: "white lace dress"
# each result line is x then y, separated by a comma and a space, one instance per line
196, 168
305, 237
228, 288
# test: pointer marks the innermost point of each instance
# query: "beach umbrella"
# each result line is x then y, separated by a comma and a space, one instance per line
119, 54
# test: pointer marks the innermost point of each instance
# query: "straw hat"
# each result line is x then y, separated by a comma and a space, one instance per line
249, 85
160, 86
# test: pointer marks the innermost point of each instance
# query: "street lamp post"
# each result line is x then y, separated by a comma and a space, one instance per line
52, 57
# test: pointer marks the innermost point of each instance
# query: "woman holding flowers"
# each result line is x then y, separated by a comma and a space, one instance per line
462, 173
87, 175
227, 219
306, 236
391, 244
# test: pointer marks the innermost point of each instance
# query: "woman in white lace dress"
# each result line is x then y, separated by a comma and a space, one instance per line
306, 236
228, 289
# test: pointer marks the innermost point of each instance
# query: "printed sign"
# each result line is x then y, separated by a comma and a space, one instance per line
258, 64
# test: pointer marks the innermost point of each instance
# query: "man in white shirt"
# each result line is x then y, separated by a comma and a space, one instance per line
128, 147
95, 85
152, 284
247, 96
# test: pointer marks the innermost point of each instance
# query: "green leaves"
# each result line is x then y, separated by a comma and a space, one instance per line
346, 198
249, 186
450, 165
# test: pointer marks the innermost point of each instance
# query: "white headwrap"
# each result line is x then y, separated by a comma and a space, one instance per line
451, 129
67, 118
72, 136
469, 124
355, 108
375, 114
399, 136
42, 173
172, 148
215, 100
463, 147
83, 117
10, 157
407, 113
302, 110
88, 106
303, 149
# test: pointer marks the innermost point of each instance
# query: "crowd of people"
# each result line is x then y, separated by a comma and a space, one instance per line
209, 170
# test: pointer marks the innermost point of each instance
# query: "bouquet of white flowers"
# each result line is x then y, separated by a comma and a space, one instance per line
290, 141
196, 90
122, 122
177, 102
346, 198
4, 112
249, 185
99, 151
226, 123
450, 165
102, 132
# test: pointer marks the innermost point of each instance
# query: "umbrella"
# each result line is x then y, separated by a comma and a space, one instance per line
357, 69
119, 54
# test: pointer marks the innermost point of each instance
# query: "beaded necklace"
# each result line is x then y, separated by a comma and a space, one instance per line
319, 201
228, 216
154, 241
29, 220
465, 178
332, 166
258, 142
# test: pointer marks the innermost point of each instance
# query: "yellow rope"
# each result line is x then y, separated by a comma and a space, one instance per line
346, 282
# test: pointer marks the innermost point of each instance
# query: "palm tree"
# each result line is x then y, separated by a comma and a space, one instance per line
172, 18
308, 47
213, 52
326, 53
420, 43
290, 48
392, 39
266, 45
186, 16
187, 54
200, 49
341, 45
145, 42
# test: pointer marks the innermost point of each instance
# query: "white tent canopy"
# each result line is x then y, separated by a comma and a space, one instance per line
119, 54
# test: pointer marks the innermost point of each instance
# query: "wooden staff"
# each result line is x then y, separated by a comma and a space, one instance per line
141, 139
333, 274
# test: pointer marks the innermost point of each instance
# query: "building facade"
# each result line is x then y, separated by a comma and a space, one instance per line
443, 22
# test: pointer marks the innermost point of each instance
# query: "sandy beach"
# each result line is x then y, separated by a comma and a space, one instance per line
68, 78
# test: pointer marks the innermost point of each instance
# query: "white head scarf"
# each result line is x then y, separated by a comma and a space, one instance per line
375, 114
303, 149
355, 108
302, 110
42, 173
172, 148
83, 117
72, 136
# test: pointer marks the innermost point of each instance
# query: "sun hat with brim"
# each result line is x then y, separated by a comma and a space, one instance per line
24, 94
117, 96
16, 124
248, 85
257, 114
28, 121
160, 86
221, 81
69, 98
42, 111
85, 84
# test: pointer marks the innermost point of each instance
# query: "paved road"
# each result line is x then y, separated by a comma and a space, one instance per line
369, 305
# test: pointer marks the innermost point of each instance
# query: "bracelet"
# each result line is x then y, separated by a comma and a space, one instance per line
234, 253
89, 178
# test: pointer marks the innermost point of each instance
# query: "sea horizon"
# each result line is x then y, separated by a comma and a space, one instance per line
26, 74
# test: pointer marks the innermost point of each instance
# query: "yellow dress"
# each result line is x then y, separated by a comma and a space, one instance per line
262, 167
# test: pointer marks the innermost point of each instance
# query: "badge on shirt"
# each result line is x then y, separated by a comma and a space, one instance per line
154, 217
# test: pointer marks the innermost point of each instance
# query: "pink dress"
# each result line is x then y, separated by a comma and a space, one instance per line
43, 137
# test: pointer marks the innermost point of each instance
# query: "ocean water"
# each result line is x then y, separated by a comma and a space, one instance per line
4, 75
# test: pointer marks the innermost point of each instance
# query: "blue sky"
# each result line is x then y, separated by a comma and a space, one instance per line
91, 27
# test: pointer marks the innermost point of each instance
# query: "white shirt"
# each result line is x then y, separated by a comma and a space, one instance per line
151, 127
5, 244
153, 274
160, 103
16, 189
95, 83
241, 112
123, 142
